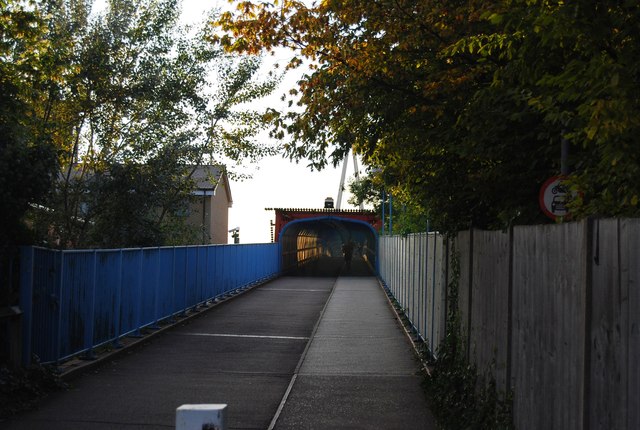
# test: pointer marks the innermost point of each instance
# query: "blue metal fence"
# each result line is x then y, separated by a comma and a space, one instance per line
74, 301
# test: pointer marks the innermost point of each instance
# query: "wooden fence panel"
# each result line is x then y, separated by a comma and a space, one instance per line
463, 246
550, 311
422, 275
414, 279
490, 307
609, 312
439, 290
549, 299
630, 282
429, 291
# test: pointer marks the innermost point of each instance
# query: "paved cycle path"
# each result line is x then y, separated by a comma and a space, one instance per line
276, 355
241, 353
359, 371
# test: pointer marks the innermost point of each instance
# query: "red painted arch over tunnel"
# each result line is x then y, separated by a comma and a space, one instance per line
285, 216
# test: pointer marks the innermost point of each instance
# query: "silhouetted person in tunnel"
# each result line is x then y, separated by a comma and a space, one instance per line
347, 251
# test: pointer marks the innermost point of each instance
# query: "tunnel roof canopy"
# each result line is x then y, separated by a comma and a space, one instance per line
334, 226
284, 216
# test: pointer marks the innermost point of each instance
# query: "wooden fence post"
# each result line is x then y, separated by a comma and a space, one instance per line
588, 291
508, 380
470, 295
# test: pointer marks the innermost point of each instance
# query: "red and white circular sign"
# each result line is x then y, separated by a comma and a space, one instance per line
554, 196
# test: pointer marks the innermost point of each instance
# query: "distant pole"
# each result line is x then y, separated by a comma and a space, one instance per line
564, 156
383, 199
204, 218
390, 214
357, 176
342, 178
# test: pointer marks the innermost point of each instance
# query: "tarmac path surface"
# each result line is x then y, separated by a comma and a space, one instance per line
359, 371
298, 352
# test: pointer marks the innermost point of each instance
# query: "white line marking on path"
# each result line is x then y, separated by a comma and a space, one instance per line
251, 336
294, 290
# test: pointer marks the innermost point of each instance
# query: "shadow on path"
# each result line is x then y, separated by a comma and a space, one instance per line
333, 267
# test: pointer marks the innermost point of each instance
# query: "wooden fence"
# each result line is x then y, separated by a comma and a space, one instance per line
551, 312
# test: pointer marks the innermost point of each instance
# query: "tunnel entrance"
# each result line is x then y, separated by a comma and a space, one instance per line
313, 247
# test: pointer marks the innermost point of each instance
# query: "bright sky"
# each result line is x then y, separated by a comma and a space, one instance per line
277, 183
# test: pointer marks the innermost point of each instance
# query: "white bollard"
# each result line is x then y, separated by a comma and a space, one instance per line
201, 417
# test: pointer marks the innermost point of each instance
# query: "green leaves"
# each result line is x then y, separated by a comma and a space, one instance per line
27, 161
463, 105
111, 94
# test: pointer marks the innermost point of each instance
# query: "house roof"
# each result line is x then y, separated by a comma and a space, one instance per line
208, 177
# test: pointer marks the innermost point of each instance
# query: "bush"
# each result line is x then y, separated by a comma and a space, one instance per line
20, 390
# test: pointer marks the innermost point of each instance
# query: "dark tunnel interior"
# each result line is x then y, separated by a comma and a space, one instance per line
313, 247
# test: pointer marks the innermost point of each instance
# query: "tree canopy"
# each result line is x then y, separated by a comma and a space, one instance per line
26, 158
111, 109
460, 107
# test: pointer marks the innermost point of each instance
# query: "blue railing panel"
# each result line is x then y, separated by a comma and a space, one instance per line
201, 280
46, 304
179, 275
190, 278
106, 304
229, 258
131, 291
219, 270
76, 300
77, 294
150, 269
165, 302
247, 259
210, 275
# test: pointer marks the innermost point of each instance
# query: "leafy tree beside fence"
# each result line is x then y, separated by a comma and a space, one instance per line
106, 110
461, 108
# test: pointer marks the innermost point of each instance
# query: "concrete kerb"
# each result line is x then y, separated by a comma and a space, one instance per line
75, 367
